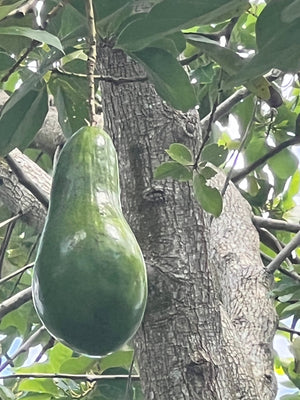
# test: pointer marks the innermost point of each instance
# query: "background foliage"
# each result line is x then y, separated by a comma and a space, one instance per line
197, 54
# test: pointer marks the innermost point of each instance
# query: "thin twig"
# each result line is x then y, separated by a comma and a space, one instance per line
23, 348
15, 217
85, 377
241, 146
245, 171
284, 253
47, 346
16, 273
289, 330
291, 274
5, 242
225, 107
276, 245
16, 65
270, 223
32, 46
15, 301
128, 386
190, 59
210, 122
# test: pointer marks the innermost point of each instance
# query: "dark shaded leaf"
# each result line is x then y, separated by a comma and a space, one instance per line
278, 42
170, 80
111, 14
170, 16
34, 34
207, 172
70, 97
121, 358
180, 153
209, 198
284, 164
231, 62
23, 115
5, 393
68, 25
7, 9
172, 169
215, 154
5, 61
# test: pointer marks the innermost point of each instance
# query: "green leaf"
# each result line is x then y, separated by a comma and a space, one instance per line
204, 74
111, 14
5, 393
5, 10
34, 34
256, 148
207, 172
5, 61
39, 385
70, 97
58, 355
215, 154
170, 80
230, 61
23, 115
180, 153
15, 318
284, 164
172, 169
38, 396
169, 16
209, 198
68, 25
277, 40
77, 365
121, 358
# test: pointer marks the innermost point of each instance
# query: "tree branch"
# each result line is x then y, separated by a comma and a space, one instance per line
225, 107
85, 377
15, 273
23, 348
284, 253
245, 171
284, 329
15, 301
290, 274
270, 223
26, 181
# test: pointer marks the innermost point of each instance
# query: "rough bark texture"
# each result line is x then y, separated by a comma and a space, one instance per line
19, 199
209, 319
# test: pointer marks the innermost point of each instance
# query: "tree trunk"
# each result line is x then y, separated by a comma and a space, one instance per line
209, 322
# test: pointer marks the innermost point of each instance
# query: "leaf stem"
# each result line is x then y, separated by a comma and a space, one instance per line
92, 56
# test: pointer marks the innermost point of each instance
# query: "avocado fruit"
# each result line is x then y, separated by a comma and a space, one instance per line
89, 280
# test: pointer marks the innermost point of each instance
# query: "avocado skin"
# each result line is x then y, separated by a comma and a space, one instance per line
89, 281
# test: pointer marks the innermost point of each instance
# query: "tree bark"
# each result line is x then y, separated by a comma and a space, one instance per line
209, 322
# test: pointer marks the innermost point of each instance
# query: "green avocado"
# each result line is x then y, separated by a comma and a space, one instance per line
89, 281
